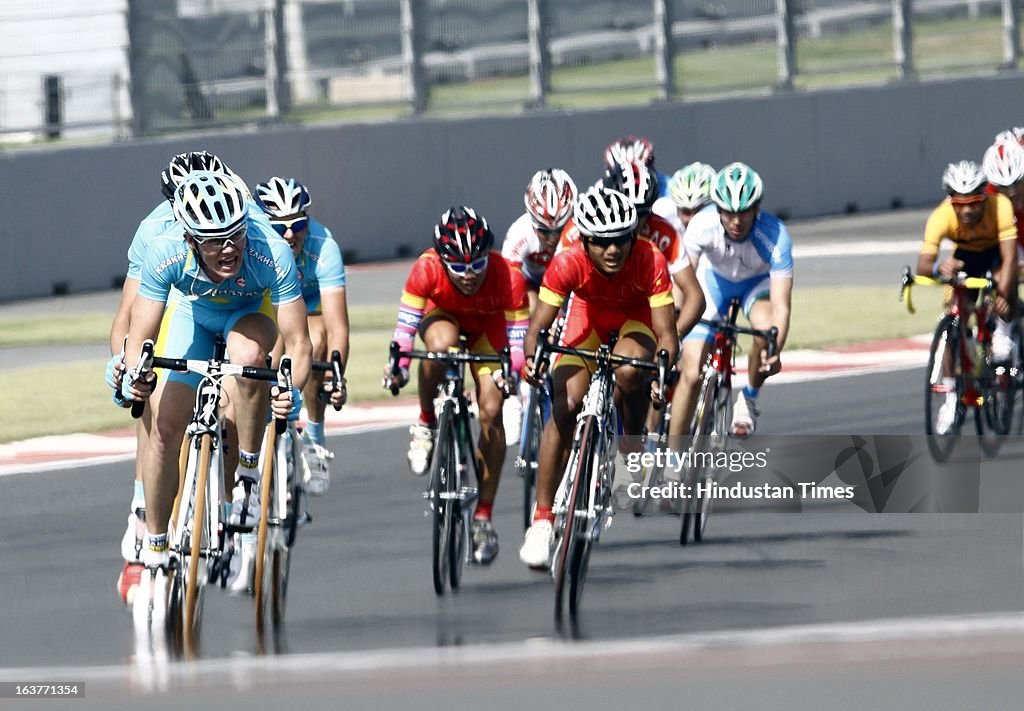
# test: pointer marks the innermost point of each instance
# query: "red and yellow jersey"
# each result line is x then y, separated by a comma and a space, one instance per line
997, 225
657, 230
1017, 214
502, 294
643, 281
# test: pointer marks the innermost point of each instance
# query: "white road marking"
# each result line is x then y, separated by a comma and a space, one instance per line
541, 649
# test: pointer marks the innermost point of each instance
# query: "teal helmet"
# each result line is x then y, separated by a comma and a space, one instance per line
737, 188
690, 186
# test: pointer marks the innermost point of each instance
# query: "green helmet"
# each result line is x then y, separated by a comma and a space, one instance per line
737, 188
690, 186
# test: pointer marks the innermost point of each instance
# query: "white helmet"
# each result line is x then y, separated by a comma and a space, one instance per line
1011, 134
1004, 163
549, 198
209, 205
603, 213
963, 178
690, 186
282, 197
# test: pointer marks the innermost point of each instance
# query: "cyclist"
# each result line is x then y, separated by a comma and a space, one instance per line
981, 227
618, 283
162, 217
460, 286
1003, 165
634, 148
529, 244
220, 265
689, 192
321, 271
636, 182
740, 252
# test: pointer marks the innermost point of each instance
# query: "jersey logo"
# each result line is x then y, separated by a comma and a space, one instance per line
240, 282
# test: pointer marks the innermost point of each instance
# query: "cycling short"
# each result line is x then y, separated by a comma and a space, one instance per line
976, 264
190, 331
485, 335
719, 292
587, 328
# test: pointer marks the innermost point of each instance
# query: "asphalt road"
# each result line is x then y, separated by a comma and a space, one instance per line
362, 582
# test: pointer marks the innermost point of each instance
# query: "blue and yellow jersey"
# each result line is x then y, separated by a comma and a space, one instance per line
320, 263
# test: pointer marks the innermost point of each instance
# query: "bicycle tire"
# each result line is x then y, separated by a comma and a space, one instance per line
457, 530
175, 609
440, 507
263, 582
529, 449
579, 460
701, 427
192, 618
655, 441
583, 544
946, 337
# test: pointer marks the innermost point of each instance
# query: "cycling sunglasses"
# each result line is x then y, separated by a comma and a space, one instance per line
217, 244
605, 242
474, 267
299, 224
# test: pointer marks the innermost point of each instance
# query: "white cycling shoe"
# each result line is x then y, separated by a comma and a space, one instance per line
537, 545
744, 416
420, 446
316, 474
512, 419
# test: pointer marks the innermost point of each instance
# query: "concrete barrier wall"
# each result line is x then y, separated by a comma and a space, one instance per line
67, 216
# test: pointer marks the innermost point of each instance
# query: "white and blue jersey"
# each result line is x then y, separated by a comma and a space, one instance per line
162, 218
320, 265
199, 309
727, 269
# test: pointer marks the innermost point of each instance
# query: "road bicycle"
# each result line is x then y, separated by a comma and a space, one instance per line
711, 425
535, 415
198, 529
582, 504
961, 373
281, 508
449, 499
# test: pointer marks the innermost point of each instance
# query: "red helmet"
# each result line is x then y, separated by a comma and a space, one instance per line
462, 235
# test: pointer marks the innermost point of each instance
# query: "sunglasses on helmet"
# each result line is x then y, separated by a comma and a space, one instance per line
297, 225
474, 267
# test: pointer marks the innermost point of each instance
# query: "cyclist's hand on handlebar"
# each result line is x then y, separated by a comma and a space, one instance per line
285, 403
338, 394
770, 366
392, 380
115, 370
657, 397
531, 373
135, 387
1001, 307
506, 386
949, 267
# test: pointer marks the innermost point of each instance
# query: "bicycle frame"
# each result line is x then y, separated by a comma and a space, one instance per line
449, 499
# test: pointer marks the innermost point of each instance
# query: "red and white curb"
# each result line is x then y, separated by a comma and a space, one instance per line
78, 450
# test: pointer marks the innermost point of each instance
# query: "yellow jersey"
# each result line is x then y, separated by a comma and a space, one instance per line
997, 225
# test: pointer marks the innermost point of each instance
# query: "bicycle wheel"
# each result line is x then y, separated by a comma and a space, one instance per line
198, 542
264, 580
656, 440
583, 544
175, 610
568, 556
441, 472
942, 440
529, 447
696, 507
458, 531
